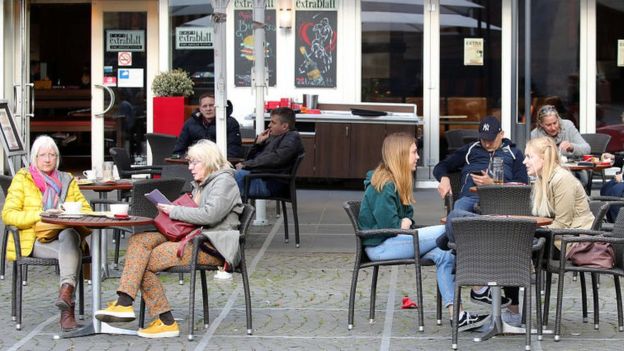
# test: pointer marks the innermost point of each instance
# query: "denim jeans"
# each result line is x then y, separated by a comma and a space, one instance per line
257, 187
402, 247
466, 203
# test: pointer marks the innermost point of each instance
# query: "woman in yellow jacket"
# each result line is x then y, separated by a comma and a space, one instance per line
37, 188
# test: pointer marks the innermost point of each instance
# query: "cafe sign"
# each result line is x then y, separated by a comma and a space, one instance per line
194, 38
315, 4
248, 4
125, 40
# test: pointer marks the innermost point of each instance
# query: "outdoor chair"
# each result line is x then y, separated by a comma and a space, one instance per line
20, 266
290, 195
5, 182
561, 266
141, 206
598, 145
161, 145
362, 261
482, 243
505, 199
198, 241
449, 199
179, 171
455, 138
121, 158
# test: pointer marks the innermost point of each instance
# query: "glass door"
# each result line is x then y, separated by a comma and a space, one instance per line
124, 61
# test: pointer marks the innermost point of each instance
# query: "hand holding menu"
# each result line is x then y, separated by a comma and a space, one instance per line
156, 197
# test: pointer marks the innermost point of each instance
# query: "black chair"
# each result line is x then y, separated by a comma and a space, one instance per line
161, 145
449, 199
362, 261
598, 145
616, 238
482, 243
5, 182
141, 206
505, 199
178, 171
455, 138
289, 196
121, 158
245, 220
20, 266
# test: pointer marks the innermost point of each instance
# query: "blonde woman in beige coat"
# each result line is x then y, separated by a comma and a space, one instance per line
556, 192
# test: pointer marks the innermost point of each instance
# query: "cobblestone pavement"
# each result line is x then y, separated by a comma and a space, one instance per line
300, 298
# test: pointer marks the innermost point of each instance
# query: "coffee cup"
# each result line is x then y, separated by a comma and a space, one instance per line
72, 207
119, 210
89, 174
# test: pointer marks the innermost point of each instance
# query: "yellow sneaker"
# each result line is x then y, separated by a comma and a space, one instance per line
158, 329
116, 313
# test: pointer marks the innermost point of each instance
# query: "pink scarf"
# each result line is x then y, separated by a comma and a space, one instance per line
49, 185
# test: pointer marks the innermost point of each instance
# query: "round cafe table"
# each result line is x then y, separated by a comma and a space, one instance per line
97, 223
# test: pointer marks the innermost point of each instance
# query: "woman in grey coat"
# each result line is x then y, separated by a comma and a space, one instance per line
219, 206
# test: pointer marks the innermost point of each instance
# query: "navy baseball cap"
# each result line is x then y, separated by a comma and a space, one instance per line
489, 128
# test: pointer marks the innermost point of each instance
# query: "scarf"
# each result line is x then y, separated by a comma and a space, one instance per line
49, 185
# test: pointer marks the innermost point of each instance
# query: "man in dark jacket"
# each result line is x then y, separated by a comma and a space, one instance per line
474, 161
202, 125
274, 151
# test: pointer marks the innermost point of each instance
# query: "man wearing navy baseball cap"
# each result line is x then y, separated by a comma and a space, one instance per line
474, 161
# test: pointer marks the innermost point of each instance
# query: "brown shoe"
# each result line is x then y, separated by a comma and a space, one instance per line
64, 301
68, 320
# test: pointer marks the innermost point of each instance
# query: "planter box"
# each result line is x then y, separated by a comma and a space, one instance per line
168, 114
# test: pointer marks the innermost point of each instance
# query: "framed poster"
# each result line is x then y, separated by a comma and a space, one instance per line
11, 139
244, 46
315, 49
473, 51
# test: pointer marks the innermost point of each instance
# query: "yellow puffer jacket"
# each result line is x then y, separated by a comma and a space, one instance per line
23, 204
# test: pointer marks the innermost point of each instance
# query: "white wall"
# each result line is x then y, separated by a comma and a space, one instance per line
348, 60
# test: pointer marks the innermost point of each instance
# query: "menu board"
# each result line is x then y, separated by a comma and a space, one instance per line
315, 48
244, 46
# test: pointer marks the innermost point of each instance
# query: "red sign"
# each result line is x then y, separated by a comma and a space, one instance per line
124, 58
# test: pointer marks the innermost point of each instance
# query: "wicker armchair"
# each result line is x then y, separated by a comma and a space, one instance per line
245, 220
161, 146
362, 261
482, 244
505, 199
561, 266
449, 199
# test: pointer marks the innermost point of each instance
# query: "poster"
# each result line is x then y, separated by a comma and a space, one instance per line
244, 47
315, 48
10, 135
620, 53
473, 51
194, 38
130, 78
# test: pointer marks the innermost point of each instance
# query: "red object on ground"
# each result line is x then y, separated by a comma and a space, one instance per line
168, 114
408, 304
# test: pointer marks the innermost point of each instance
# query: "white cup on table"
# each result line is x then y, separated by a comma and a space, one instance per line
72, 207
89, 174
119, 210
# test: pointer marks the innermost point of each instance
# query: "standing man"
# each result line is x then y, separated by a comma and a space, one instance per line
274, 151
202, 125
474, 160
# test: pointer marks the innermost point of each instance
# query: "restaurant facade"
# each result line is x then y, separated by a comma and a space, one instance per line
456, 60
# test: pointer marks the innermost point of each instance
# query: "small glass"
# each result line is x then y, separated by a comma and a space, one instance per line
107, 171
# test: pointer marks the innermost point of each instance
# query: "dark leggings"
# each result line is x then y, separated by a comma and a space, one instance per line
512, 292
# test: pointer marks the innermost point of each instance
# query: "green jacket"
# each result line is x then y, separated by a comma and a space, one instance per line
381, 210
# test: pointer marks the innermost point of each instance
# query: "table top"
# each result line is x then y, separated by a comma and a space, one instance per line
97, 221
541, 221
107, 186
573, 166
184, 161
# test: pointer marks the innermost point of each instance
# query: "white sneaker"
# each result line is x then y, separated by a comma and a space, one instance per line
513, 319
222, 275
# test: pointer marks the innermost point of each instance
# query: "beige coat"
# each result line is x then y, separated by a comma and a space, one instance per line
569, 201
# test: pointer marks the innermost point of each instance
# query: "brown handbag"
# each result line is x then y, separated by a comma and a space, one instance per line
591, 254
172, 229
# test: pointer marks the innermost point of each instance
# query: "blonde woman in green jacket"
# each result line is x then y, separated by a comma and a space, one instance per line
33, 190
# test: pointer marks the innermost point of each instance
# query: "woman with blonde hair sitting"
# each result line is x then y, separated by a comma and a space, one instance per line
556, 192
219, 206
35, 189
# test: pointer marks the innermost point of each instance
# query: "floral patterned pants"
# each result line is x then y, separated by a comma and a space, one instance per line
147, 254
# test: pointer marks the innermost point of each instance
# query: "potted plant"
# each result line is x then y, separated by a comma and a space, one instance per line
170, 89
